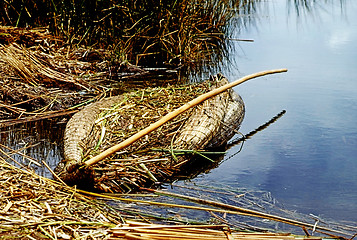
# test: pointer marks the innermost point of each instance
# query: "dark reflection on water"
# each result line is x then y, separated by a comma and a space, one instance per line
39, 140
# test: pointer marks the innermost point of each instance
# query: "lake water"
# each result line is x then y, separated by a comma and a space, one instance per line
307, 160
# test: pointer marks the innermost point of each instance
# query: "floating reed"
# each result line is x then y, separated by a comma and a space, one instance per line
115, 119
142, 231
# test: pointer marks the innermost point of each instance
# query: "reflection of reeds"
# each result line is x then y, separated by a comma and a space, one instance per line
144, 32
304, 7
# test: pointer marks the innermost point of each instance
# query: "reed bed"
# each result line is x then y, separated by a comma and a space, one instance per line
41, 78
181, 33
36, 78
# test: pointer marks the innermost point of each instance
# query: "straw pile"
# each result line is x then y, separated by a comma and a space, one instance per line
33, 207
42, 78
159, 155
143, 231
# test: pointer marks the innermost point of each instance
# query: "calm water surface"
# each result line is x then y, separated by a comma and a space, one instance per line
308, 158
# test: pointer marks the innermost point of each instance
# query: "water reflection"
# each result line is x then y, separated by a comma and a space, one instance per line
308, 159
27, 145
303, 7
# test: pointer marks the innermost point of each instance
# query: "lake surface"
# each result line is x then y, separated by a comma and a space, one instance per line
307, 160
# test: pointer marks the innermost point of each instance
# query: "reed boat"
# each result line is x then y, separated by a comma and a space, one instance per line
157, 156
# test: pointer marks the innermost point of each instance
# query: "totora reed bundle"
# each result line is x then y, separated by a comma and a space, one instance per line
158, 155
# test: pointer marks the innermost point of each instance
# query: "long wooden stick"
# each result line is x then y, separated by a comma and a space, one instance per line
174, 113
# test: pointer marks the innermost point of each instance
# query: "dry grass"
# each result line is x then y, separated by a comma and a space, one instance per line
42, 79
33, 207
143, 231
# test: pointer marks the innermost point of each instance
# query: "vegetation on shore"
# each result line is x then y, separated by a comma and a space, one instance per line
145, 32
59, 55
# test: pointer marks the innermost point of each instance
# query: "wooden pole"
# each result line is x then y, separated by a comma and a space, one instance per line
174, 113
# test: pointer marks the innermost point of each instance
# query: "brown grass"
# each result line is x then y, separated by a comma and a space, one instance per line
33, 207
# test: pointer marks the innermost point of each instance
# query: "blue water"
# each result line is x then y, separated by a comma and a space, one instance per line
308, 158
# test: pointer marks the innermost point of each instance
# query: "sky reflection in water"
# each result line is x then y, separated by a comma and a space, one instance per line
308, 158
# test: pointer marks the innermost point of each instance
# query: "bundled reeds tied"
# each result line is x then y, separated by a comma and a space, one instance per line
157, 156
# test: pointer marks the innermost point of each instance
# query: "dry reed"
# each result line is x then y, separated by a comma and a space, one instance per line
133, 230
42, 79
149, 159
33, 207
